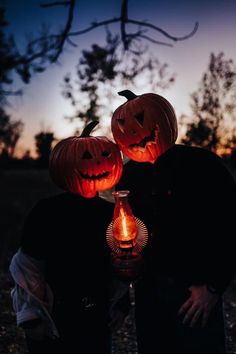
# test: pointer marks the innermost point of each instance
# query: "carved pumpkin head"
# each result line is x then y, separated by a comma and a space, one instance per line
144, 127
86, 164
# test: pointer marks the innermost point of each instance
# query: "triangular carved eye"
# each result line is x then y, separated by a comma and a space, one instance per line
140, 118
106, 153
87, 155
121, 123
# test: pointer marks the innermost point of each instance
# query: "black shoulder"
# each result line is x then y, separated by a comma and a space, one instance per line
195, 152
131, 166
134, 171
205, 168
56, 199
37, 222
197, 156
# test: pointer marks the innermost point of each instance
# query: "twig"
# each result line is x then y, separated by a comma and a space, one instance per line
55, 3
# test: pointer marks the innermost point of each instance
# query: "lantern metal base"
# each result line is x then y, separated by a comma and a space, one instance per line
141, 240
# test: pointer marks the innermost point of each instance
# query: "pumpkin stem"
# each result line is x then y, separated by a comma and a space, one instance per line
127, 94
87, 130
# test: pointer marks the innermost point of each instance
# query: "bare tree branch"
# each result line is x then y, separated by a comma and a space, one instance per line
166, 34
123, 21
66, 30
127, 38
58, 40
54, 43
95, 25
56, 3
71, 43
48, 47
124, 35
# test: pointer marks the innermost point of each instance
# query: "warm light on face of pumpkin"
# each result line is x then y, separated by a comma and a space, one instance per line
98, 169
144, 127
86, 165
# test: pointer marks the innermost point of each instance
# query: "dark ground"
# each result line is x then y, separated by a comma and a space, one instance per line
19, 190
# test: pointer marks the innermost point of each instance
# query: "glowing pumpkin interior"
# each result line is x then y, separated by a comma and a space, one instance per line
86, 164
144, 127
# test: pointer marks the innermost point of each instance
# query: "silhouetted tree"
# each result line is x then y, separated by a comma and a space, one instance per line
43, 141
8, 53
129, 40
27, 155
47, 47
13, 62
213, 106
100, 69
10, 132
233, 157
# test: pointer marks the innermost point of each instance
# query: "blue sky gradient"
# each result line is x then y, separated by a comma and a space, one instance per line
42, 105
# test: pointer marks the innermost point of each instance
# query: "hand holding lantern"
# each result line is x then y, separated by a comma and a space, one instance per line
126, 236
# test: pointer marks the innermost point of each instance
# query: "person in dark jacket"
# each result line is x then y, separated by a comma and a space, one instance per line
63, 276
185, 197
67, 233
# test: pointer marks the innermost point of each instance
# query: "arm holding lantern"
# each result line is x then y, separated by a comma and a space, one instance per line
125, 237
205, 192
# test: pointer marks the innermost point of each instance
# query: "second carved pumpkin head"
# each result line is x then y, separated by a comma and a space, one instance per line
144, 127
86, 164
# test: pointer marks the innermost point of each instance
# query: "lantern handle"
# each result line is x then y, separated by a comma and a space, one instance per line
127, 94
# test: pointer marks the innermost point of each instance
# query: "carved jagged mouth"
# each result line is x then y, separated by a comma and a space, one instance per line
94, 177
150, 138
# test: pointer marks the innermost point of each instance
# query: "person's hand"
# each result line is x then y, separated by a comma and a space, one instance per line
198, 306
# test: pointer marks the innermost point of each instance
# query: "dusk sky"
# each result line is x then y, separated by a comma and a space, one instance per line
43, 106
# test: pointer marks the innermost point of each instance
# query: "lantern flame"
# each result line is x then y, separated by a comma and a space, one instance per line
125, 229
124, 223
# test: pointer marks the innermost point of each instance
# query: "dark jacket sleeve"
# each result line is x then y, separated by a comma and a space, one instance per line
223, 204
199, 235
33, 233
213, 202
